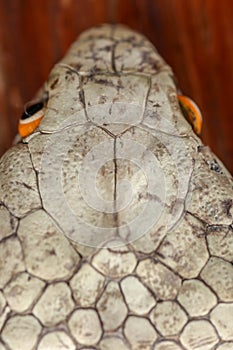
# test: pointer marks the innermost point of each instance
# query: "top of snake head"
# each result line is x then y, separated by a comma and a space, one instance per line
113, 152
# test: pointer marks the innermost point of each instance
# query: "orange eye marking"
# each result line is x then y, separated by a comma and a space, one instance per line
31, 119
26, 129
192, 112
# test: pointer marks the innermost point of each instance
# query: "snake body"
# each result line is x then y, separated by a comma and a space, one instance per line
115, 220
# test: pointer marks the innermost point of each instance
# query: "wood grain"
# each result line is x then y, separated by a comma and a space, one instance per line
195, 37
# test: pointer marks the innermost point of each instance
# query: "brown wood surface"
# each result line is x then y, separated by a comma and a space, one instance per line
194, 36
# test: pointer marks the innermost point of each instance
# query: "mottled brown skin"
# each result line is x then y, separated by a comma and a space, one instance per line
166, 286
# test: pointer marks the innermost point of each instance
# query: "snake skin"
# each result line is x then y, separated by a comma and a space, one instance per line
66, 286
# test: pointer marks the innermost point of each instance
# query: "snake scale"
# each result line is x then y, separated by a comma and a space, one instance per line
115, 220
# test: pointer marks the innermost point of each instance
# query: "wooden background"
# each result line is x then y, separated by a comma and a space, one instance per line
194, 36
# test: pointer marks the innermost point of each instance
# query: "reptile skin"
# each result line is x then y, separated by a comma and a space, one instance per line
115, 220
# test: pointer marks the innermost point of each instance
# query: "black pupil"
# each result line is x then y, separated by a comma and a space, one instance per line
32, 110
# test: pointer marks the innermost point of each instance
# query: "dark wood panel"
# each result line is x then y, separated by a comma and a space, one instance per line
194, 36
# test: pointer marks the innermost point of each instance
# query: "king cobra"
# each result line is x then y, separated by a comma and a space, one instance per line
115, 220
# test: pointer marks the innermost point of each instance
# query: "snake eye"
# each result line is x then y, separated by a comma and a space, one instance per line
30, 119
191, 112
